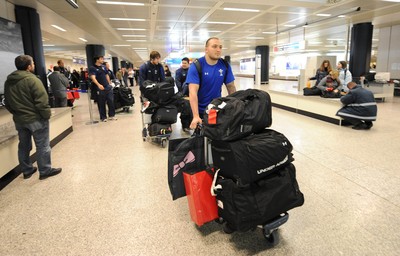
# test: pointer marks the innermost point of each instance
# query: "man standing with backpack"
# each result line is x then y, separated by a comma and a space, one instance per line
206, 77
151, 70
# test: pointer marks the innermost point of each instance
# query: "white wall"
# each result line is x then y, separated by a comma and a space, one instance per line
388, 59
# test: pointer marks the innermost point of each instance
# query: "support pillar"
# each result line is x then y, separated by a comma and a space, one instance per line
263, 50
360, 49
93, 50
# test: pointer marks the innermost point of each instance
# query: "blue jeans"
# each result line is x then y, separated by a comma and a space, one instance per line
39, 130
103, 98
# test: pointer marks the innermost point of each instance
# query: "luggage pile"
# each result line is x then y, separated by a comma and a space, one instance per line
255, 182
123, 96
161, 113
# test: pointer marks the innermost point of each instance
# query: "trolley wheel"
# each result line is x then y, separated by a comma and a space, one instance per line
220, 220
163, 143
144, 134
271, 237
227, 229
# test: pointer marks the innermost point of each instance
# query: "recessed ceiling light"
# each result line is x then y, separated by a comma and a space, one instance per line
268, 32
139, 48
135, 40
324, 14
46, 45
241, 10
342, 16
221, 22
59, 28
131, 29
82, 39
255, 37
289, 25
127, 19
121, 45
120, 3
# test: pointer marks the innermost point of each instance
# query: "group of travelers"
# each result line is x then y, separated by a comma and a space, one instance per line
359, 108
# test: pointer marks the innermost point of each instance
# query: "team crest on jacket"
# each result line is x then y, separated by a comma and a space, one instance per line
220, 72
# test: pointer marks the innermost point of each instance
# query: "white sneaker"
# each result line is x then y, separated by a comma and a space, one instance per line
104, 120
112, 118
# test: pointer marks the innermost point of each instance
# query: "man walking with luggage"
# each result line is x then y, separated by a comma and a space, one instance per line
151, 70
28, 102
58, 85
180, 75
99, 75
206, 87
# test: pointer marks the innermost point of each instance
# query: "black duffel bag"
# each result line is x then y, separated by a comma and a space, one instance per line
165, 115
244, 207
238, 115
156, 129
253, 157
161, 93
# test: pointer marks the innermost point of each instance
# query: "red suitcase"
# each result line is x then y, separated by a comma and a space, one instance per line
202, 205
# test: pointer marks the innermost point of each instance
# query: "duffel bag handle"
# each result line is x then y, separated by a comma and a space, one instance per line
214, 186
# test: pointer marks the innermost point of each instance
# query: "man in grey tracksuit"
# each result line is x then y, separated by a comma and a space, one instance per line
359, 107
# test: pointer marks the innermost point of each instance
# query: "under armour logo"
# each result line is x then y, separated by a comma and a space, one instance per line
206, 73
220, 72
284, 143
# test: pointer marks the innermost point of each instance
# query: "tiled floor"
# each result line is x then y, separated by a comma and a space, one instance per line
112, 197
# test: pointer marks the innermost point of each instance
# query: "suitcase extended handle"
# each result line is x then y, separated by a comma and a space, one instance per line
215, 187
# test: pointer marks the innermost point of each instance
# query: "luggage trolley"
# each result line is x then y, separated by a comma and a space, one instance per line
146, 121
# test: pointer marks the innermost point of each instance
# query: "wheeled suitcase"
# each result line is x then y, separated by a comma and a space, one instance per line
253, 157
245, 206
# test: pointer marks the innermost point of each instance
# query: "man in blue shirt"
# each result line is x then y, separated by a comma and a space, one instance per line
181, 73
99, 75
214, 74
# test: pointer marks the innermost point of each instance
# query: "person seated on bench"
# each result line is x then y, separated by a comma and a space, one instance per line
359, 107
330, 83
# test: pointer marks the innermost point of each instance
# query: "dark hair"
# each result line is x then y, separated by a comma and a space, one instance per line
59, 61
343, 63
322, 67
23, 61
211, 38
154, 55
186, 59
56, 68
96, 58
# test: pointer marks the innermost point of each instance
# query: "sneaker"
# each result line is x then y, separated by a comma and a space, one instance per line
361, 126
186, 129
369, 124
112, 118
104, 120
52, 172
27, 176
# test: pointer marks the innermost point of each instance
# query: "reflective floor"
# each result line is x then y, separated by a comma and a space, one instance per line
112, 197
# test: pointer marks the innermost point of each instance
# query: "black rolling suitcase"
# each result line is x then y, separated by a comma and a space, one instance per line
253, 157
245, 206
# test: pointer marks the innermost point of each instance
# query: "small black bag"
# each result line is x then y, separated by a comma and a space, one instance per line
184, 155
159, 129
330, 94
311, 91
165, 115
244, 207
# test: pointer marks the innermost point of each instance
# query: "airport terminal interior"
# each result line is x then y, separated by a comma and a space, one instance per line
112, 196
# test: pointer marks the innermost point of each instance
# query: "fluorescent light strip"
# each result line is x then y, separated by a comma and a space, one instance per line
121, 45
59, 28
324, 14
221, 22
134, 35
82, 39
131, 29
120, 3
255, 37
48, 45
134, 40
289, 25
241, 10
139, 48
269, 33
127, 19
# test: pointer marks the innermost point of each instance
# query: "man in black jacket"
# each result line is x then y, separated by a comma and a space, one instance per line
359, 107
151, 70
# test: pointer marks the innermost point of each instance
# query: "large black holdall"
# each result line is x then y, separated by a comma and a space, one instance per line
165, 115
253, 157
156, 129
161, 93
244, 207
238, 115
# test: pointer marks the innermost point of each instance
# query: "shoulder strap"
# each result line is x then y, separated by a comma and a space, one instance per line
345, 73
198, 67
